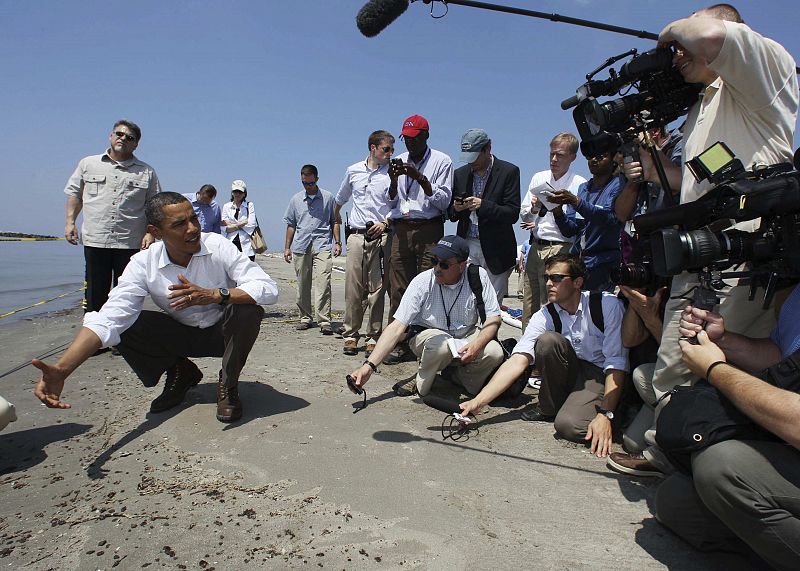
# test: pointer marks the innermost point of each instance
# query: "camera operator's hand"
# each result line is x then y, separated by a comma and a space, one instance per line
395, 170
647, 307
362, 375
376, 230
562, 197
700, 357
473, 203
527, 225
693, 319
460, 204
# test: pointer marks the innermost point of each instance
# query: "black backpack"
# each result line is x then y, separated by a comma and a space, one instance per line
595, 310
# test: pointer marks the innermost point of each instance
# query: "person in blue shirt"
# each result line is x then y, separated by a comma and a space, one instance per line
590, 216
208, 212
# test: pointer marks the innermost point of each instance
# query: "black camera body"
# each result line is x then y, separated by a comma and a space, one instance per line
689, 237
661, 96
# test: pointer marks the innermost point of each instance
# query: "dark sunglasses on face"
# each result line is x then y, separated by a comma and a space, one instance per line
445, 265
308, 183
126, 136
387, 149
556, 278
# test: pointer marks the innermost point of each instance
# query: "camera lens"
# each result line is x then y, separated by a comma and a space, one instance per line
632, 275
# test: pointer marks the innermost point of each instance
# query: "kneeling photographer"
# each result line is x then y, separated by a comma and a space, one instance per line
745, 489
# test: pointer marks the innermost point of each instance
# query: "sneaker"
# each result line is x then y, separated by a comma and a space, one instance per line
180, 378
303, 325
633, 465
350, 347
534, 414
325, 329
399, 355
369, 350
229, 407
406, 388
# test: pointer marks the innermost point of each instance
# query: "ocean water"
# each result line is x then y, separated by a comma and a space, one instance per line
34, 271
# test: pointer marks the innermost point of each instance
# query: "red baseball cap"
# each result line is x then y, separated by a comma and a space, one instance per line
413, 125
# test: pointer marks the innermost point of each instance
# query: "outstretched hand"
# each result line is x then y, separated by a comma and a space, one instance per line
48, 389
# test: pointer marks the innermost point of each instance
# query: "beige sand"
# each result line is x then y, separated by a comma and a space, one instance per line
301, 481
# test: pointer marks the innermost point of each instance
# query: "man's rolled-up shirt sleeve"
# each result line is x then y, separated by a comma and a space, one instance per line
122, 308
248, 276
614, 354
442, 186
527, 343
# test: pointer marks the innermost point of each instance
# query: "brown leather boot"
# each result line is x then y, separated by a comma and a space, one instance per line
180, 378
229, 407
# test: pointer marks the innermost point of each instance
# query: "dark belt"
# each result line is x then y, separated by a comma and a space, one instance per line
358, 230
549, 243
416, 221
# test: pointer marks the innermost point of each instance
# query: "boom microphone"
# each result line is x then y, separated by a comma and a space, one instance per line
375, 15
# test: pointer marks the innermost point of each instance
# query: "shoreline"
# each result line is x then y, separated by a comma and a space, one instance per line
301, 480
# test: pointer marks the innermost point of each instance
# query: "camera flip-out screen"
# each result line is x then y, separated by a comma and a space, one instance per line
712, 162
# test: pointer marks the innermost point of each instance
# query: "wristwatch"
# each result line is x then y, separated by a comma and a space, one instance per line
226, 295
609, 414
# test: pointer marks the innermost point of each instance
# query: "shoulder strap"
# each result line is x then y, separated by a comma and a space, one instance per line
554, 315
474, 279
596, 310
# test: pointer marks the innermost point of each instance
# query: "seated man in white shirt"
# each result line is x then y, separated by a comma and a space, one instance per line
582, 363
187, 274
439, 305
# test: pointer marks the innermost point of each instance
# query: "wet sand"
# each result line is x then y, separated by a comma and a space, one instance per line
301, 481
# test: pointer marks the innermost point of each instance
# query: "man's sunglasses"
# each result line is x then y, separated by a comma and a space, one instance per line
444, 264
387, 149
556, 278
309, 183
126, 136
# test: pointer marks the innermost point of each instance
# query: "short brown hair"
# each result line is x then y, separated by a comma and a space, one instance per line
377, 137
137, 132
577, 269
568, 138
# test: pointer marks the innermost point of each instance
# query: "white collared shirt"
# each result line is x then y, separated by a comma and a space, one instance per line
546, 228
428, 304
369, 190
150, 272
438, 168
590, 344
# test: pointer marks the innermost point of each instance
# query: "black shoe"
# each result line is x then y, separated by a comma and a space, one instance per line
180, 378
326, 329
399, 355
533, 414
303, 325
229, 407
406, 388
114, 351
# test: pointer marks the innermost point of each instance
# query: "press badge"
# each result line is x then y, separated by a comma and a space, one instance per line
405, 207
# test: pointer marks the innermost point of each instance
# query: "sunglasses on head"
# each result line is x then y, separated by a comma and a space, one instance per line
126, 136
556, 278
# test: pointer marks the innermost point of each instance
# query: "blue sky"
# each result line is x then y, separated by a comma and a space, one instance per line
253, 90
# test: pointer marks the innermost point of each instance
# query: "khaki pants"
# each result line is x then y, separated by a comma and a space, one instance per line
430, 346
320, 263
364, 286
535, 290
411, 254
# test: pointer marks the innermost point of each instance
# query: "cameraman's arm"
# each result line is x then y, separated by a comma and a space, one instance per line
701, 36
775, 409
747, 353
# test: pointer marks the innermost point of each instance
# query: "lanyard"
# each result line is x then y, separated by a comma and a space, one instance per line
420, 168
447, 312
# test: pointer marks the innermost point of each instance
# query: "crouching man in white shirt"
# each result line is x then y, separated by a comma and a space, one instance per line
210, 293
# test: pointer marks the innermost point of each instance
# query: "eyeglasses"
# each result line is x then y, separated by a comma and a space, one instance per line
308, 183
126, 136
445, 265
387, 149
556, 278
